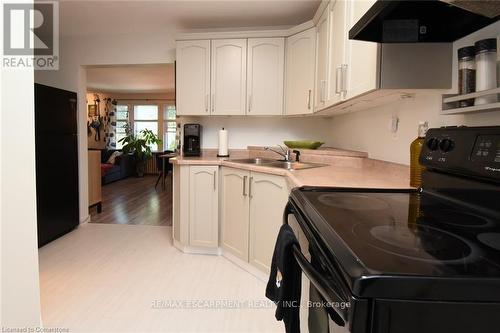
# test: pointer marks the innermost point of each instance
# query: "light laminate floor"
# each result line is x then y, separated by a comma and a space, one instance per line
109, 277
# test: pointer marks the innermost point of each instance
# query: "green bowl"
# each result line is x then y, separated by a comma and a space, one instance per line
303, 144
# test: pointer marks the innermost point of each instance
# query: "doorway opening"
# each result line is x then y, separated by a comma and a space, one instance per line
132, 133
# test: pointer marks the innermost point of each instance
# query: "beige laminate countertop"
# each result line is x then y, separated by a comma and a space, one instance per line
345, 172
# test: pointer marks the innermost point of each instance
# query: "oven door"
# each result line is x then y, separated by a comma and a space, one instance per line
324, 306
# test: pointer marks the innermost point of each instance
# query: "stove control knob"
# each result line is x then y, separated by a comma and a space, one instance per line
446, 145
433, 144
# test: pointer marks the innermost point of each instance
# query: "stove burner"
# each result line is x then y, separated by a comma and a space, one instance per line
352, 201
491, 239
424, 244
459, 219
401, 237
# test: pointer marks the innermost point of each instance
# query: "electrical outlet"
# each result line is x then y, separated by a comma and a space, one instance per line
394, 124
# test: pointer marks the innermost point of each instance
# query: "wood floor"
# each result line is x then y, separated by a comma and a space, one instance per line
135, 201
130, 278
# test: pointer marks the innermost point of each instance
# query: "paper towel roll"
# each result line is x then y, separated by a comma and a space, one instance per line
223, 151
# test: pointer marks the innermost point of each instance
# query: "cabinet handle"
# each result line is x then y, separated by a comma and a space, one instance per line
344, 78
215, 180
250, 187
213, 102
338, 80
206, 103
249, 103
309, 100
245, 186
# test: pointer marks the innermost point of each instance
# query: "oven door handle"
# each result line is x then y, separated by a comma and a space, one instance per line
326, 292
289, 209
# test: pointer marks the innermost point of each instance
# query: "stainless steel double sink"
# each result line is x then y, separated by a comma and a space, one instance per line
288, 165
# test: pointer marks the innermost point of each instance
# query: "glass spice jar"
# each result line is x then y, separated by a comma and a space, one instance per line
486, 73
466, 74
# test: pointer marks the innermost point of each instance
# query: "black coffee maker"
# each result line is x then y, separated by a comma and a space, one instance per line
192, 140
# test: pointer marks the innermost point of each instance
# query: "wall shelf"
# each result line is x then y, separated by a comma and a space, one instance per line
450, 102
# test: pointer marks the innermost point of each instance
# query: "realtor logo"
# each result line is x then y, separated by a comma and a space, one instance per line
31, 35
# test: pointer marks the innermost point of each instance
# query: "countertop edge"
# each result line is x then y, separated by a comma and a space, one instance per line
367, 176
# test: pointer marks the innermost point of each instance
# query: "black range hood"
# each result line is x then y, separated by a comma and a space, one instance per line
429, 21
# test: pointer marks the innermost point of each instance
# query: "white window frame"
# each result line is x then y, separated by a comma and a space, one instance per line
165, 121
117, 120
161, 104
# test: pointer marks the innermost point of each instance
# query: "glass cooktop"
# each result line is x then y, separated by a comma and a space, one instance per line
397, 232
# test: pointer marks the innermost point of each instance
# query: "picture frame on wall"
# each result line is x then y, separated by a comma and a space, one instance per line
92, 110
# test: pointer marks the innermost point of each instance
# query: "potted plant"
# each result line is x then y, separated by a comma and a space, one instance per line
140, 145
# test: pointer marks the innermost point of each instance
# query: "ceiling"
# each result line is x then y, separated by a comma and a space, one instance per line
131, 79
123, 17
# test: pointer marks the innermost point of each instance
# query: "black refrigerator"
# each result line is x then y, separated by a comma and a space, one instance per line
56, 146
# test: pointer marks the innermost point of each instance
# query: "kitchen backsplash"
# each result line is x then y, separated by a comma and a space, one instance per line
260, 131
368, 130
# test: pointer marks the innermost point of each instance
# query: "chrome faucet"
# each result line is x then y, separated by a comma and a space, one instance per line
286, 153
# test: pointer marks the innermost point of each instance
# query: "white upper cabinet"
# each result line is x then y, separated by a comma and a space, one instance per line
300, 66
320, 68
322, 53
362, 58
193, 77
228, 77
337, 66
344, 68
265, 67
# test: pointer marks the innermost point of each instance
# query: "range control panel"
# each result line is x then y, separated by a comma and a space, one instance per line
487, 149
472, 151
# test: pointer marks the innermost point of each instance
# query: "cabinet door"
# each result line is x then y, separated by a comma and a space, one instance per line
362, 57
203, 206
268, 198
336, 62
235, 212
299, 76
229, 69
322, 52
193, 77
265, 68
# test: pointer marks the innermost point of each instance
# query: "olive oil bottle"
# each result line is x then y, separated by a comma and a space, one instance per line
416, 169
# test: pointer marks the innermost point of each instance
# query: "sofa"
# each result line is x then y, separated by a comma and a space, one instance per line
123, 167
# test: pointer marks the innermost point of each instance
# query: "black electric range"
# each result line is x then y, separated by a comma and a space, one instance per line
425, 260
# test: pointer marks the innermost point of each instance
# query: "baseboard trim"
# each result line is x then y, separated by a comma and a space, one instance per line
85, 220
197, 249
246, 266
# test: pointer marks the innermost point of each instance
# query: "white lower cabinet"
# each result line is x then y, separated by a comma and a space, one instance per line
268, 198
252, 207
234, 211
196, 208
203, 206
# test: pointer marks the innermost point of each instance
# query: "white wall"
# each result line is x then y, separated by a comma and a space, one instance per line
369, 130
77, 52
261, 131
20, 294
